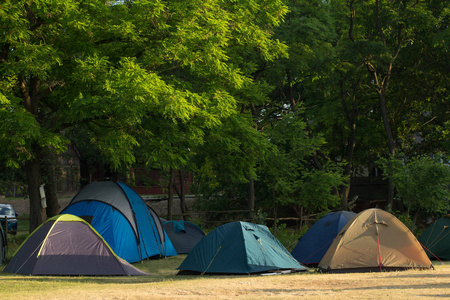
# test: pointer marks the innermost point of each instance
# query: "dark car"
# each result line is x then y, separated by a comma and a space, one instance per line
8, 216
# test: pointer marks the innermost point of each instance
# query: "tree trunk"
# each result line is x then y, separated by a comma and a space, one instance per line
48, 172
351, 140
251, 198
381, 88
33, 171
170, 199
181, 195
349, 167
53, 207
301, 218
345, 191
391, 145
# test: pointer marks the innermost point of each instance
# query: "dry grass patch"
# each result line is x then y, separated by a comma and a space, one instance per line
164, 284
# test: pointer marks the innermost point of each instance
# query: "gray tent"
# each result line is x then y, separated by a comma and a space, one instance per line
68, 245
184, 235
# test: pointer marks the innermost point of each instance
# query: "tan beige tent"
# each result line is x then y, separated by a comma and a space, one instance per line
374, 240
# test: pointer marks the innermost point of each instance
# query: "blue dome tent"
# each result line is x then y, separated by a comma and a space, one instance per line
313, 245
131, 228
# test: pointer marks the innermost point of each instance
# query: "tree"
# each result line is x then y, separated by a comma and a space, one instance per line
228, 158
290, 174
305, 89
367, 79
422, 184
381, 35
113, 67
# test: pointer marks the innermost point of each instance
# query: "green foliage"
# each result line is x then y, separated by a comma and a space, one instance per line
118, 64
345, 57
130, 81
288, 172
422, 182
12, 181
286, 93
287, 236
316, 189
260, 217
227, 161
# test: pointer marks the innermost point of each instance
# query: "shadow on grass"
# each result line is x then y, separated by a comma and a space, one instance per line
92, 279
365, 288
5, 277
161, 270
427, 275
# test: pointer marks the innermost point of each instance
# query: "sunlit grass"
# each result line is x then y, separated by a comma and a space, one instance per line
164, 284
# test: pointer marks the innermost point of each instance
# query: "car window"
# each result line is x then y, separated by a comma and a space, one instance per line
6, 211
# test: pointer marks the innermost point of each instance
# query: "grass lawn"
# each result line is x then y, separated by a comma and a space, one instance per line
165, 284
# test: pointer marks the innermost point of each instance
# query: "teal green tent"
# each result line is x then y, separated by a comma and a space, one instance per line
239, 248
436, 239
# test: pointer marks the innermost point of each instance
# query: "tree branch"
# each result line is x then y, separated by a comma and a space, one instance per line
352, 18
4, 52
24, 93
380, 29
